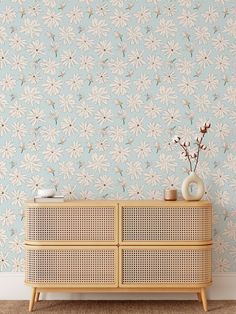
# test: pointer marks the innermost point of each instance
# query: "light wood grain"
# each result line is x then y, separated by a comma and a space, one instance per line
84, 203
198, 288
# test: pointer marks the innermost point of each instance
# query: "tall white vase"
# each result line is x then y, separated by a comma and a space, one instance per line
193, 178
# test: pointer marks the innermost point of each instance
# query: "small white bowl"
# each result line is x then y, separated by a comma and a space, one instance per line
46, 193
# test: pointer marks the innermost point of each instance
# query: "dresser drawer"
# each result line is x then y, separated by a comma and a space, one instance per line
160, 225
73, 266
78, 225
172, 266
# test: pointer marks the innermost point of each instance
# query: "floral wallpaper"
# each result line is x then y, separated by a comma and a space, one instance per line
92, 93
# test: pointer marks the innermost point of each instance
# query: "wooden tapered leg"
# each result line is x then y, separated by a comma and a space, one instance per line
37, 296
31, 304
199, 297
204, 299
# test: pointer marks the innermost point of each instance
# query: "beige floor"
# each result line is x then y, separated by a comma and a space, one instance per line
118, 307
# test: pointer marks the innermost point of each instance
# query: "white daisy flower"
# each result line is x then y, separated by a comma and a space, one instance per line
104, 116
152, 178
166, 163
69, 192
104, 184
66, 169
8, 217
104, 48
187, 18
143, 83
143, 15
49, 66
134, 169
120, 18
117, 66
98, 27
68, 126
86, 130
67, 34
18, 264
35, 116
86, 63
230, 95
75, 83
151, 42
67, 102
98, 162
75, 150
85, 110
36, 49
166, 28
136, 192
117, 134
187, 86
52, 86
16, 245
8, 150
3, 34
136, 126
84, 42
4, 126
152, 110
85, 178
134, 34
31, 95
4, 61
203, 58
3, 102
52, 18
30, 27
17, 178
3, 237
166, 95
31, 163
16, 42
18, 130
75, 15
143, 150
136, 58
171, 115
99, 95
8, 15
120, 86
4, 261
7, 83
202, 34
3, 169
119, 153
171, 48
211, 15
154, 130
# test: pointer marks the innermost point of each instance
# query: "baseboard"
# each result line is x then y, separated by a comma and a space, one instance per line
13, 288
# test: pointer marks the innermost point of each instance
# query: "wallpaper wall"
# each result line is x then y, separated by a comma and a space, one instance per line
92, 93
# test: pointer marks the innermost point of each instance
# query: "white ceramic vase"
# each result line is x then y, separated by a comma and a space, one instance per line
193, 178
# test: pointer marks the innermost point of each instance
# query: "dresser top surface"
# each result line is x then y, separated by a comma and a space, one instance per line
126, 203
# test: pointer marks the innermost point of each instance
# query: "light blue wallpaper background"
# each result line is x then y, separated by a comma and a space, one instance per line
92, 93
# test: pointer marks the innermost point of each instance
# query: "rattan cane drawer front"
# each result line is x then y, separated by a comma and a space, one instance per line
72, 266
74, 224
163, 224
165, 266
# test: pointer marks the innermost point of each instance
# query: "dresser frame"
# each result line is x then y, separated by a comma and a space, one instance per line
198, 288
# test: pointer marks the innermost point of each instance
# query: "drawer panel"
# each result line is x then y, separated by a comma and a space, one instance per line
172, 266
163, 224
88, 225
84, 266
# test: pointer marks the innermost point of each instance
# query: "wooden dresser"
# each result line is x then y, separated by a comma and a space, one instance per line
118, 246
